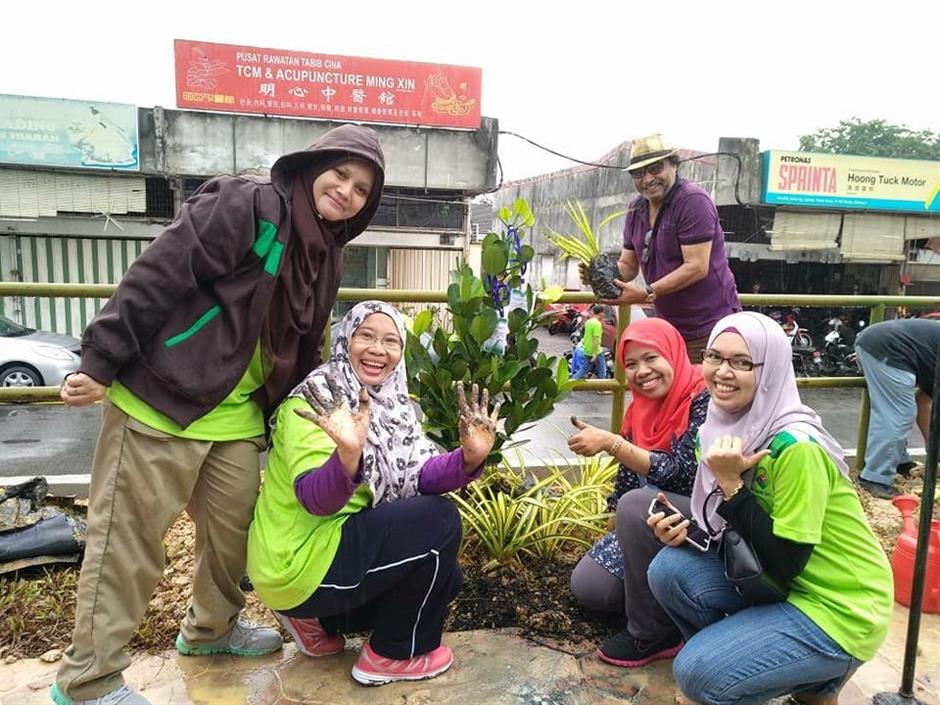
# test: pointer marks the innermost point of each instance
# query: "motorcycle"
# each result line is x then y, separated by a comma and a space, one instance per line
563, 320
839, 357
807, 361
798, 337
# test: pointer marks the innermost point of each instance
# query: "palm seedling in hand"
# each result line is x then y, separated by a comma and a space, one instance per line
601, 267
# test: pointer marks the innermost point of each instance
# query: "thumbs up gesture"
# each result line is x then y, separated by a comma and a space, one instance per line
727, 460
589, 440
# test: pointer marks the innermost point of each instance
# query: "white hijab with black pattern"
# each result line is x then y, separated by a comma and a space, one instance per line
396, 448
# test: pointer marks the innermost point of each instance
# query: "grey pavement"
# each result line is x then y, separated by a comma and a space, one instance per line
58, 441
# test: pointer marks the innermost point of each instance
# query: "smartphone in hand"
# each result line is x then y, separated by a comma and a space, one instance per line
695, 535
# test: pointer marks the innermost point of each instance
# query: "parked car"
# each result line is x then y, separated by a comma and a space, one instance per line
35, 358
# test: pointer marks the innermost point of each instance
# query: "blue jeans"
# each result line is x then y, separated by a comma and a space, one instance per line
736, 652
598, 364
893, 410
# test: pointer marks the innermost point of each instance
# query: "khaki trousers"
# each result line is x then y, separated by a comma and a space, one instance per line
141, 481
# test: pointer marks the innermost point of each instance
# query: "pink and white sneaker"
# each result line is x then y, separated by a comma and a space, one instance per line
310, 636
372, 669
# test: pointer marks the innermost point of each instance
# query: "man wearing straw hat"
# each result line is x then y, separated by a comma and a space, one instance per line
672, 234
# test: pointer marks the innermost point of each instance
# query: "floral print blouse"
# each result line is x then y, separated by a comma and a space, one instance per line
672, 471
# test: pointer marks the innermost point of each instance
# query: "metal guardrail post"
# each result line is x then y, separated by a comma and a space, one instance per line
876, 315
617, 403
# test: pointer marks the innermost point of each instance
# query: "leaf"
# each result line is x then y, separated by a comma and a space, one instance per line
453, 297
443, 377
516, 319
495, 259
422, 322
483, 325
508, 371
458, 368
562, 373
551, 294
440, 343
612, 216
535, 377
504, 214
527, 253
489, 240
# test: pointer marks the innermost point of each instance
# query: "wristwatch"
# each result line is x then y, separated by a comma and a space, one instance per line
650, 295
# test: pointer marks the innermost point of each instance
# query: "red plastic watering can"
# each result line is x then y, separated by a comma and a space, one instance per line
902, 560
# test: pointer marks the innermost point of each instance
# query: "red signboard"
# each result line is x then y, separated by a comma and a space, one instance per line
243, 79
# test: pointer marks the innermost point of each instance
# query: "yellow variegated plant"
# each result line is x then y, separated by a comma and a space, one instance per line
584, 246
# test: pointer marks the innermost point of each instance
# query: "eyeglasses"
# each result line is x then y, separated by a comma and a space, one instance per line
390, 343
654, 169
739, 363
647, 250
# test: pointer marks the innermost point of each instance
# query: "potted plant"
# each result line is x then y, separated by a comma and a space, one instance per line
584, 246
489, 341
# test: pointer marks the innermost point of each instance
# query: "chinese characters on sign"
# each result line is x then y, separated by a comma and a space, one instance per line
275, 82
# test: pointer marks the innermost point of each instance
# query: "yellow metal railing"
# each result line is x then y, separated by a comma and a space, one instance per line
875, 304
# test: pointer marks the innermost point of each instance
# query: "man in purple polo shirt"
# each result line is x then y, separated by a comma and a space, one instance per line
673, 235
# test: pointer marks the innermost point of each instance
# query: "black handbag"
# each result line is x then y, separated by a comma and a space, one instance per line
742, 565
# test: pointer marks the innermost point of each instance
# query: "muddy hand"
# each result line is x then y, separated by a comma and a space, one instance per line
347, 427
477, 428
629, 294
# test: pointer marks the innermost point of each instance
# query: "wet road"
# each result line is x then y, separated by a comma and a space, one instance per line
51, 439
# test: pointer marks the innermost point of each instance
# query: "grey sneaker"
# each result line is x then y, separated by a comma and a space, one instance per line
121, 696
876, 489
245, 639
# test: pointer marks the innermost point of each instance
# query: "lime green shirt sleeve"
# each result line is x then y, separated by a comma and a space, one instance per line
304, 445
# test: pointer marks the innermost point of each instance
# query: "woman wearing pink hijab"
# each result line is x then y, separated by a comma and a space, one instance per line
802, 517
656, 452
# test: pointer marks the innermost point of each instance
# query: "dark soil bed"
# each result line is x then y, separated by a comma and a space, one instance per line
37, 605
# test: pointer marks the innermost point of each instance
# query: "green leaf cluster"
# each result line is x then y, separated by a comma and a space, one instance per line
509, 513
526, 381
873, 138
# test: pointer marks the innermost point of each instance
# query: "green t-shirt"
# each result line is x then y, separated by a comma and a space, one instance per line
290, 549
593, 332
846, 586
235, 418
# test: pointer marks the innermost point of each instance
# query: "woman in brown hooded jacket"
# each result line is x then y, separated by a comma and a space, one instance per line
208, 330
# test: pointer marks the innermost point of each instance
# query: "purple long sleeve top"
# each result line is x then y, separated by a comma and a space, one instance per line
325, 490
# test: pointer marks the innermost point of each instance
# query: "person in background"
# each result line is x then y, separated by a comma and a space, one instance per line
898, 359
208, 330
349, 532
802, 517
673, 236
656, 451
591, 345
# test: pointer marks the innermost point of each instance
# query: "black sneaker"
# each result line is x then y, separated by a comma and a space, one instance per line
625, 650
905, 469
876, 489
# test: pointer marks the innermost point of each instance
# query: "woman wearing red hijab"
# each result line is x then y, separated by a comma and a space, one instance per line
656, 451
